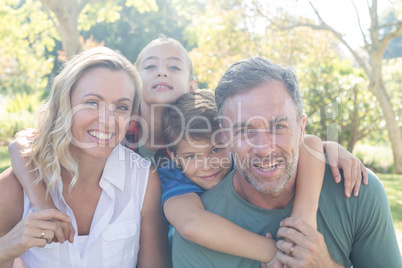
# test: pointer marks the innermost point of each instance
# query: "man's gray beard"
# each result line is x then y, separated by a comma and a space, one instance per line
289, 169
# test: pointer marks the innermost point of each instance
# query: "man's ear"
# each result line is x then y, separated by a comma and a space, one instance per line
193, 86
173, 156
302, 125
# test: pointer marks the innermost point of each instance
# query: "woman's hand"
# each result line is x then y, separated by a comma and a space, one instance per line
66, 227
33, 231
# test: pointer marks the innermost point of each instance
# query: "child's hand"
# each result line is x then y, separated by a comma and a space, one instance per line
353, 168
274, 263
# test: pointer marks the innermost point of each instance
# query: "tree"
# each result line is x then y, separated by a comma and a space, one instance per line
69, 22
337, 107
137, 27
333, 90
25, 37
375, 43
394, 48
230, 30
67, 13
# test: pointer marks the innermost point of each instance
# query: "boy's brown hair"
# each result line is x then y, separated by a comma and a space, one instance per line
193, 115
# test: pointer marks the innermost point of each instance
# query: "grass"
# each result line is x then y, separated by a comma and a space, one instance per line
393, 187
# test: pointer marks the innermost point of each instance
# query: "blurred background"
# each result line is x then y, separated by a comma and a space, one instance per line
346, 53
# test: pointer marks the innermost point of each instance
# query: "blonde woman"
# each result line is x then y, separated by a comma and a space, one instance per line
109, 193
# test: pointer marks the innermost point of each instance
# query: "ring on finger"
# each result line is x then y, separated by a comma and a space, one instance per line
292, 248
43, 233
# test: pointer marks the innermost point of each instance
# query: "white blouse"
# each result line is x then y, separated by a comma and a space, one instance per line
113, 240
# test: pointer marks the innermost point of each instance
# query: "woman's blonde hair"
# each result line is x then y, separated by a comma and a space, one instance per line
50, 143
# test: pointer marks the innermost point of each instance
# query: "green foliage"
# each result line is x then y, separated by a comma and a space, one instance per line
19, 111
22, 102
25, 34
136, 28
228, 31
99, 12
222, 34
188, 9
394, 48
376, 157
392, 74
143, 5
15, 122
338, 106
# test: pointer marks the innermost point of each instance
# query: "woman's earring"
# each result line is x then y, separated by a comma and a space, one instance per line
179, 168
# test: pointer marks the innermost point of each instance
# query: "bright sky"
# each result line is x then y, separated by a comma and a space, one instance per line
341, 15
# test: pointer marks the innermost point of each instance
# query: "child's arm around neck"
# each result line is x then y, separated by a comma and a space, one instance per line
187, 214
36, 193
310, 175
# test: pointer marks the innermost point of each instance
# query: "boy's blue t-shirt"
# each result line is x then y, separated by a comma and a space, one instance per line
174, 182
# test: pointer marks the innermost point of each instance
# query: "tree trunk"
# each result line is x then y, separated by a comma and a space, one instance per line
377, 87
67, 13
69, 34
355, 125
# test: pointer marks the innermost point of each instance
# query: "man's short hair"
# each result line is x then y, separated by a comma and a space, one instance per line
193, 115
248, 74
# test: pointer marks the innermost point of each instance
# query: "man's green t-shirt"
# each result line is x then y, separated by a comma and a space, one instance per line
358, 231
